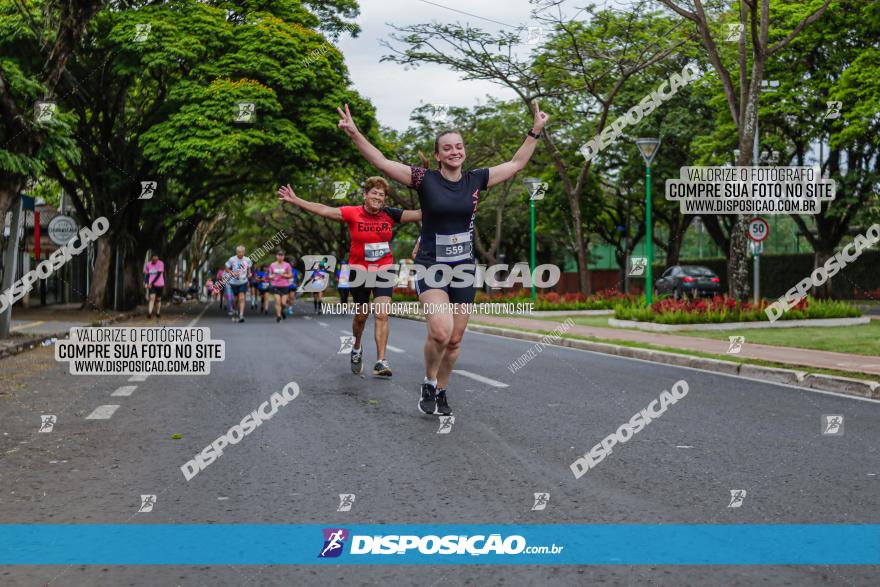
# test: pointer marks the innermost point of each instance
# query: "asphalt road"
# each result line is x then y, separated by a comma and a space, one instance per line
514, 434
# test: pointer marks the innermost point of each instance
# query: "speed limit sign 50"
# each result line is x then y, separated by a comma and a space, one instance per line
758, 229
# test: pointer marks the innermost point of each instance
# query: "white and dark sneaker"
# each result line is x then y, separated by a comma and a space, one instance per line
357, 361
382, 368
428, 399
442, 408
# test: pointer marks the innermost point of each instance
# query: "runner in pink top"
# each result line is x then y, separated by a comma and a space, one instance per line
154, 280
280, 274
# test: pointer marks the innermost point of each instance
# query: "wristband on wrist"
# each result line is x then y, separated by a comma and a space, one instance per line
533, 135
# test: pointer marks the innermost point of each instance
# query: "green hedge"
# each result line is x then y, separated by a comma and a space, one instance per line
707, 312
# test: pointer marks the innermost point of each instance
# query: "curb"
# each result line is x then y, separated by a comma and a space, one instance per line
810, 323
805, 379
34, 341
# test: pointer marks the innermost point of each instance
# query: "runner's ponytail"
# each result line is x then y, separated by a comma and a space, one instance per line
423, 159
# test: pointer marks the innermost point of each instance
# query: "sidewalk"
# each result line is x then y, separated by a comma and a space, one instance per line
31, 326
792, 356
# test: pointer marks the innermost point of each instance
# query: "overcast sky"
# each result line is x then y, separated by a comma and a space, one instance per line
395, 92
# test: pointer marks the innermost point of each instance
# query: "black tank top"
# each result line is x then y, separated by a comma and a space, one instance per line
449, 209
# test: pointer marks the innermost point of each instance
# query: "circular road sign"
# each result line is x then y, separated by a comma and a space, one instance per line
758, 229
62, 229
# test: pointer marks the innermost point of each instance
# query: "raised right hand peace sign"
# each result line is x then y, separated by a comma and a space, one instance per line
540, 117
346, 122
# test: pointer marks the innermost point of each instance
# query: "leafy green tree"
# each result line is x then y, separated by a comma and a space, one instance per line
37, 40
169, 109
756, 44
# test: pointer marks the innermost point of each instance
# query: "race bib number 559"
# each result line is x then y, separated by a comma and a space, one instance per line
453, 247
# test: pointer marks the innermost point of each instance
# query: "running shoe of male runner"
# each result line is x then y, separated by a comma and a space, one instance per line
370, 226
448, 198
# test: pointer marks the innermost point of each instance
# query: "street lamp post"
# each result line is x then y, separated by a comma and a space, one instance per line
648, 148
532, 184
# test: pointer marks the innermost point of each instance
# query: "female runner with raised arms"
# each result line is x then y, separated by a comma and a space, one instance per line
449, 200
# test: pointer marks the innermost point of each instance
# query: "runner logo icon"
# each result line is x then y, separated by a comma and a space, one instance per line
47, 422
832, 425
148, 189
446, 423
736, 344
346, 500
737, 496
346, 343
147, 503
637, 266
541, 501
334, 541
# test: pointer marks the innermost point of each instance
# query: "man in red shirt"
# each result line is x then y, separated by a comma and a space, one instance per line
370, 227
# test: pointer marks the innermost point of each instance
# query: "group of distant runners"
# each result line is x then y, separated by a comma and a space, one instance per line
278, 280
448, 199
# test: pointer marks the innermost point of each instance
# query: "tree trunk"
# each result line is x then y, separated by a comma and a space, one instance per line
738, 261
9, 189
623, 284
190, 269
170, 277
678, 225
98, 290
133, 279
583, 275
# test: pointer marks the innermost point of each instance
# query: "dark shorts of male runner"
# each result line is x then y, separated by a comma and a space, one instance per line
361, 294
238, 289
280, 290
155, 290
457, 295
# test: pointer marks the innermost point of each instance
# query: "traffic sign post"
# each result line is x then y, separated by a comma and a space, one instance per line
759, 230
62, 229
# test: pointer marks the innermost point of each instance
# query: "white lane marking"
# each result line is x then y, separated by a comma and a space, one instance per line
323, 324
102, 412
682, 446
480, 378
660, 365
125, 390
394, 349
307, 317
349, 333
143, 376
202, 313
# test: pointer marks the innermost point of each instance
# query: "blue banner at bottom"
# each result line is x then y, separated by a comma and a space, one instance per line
455, 544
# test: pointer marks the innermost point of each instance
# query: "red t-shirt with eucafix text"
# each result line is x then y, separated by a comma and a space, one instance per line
371, 236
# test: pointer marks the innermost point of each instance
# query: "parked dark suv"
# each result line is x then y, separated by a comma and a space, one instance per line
688, 280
